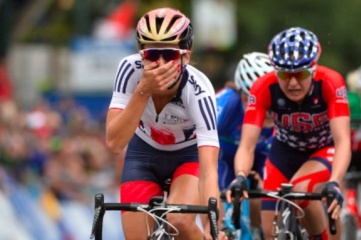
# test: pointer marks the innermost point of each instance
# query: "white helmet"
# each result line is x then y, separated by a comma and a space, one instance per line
250, 68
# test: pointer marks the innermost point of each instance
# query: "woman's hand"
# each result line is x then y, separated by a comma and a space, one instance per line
332, 190
158, 76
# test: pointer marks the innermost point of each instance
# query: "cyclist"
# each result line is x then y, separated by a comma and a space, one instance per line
231, 102
163, 110
311, 148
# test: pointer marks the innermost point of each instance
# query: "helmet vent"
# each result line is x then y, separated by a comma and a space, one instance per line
303, 35
309, 52
147, 21
171, 23
170, 38
292, 55
283, 51
158, 23
283, 36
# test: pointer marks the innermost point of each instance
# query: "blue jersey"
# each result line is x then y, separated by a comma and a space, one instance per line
229, 123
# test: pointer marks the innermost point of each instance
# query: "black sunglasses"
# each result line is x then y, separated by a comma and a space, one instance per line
168, 54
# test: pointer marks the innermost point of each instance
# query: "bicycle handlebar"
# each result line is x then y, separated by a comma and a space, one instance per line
101, 207
280, 193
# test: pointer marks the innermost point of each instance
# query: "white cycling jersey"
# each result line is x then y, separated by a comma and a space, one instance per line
188, 119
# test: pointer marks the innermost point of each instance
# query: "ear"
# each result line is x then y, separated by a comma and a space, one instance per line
187, 57
314, 72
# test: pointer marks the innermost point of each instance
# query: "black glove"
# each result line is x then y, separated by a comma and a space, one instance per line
239, 183
332, 191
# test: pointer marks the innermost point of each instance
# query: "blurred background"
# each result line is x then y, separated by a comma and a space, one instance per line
58, 60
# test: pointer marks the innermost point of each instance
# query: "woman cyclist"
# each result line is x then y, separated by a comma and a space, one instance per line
163, 110
231, 102
311, 148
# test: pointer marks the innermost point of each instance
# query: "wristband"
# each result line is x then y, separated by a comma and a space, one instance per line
241, 172
142, 93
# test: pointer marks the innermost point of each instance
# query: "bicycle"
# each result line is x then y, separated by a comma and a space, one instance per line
286, 220
157, 209
233, 228
351, 217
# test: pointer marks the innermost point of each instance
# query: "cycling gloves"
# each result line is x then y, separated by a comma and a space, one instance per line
239, 182
332, 190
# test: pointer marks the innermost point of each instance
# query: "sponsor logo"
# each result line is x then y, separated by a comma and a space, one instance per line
341, 93
172, 119
251, 99
197, 88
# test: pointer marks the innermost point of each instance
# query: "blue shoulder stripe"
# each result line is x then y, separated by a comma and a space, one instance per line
208, 112
123, 75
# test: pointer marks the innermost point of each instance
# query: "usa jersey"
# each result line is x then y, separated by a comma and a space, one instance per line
190, 117
302, 126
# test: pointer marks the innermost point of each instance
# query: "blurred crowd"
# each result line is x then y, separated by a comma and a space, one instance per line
53, 160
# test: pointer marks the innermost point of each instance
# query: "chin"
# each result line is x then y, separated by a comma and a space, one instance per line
297, 98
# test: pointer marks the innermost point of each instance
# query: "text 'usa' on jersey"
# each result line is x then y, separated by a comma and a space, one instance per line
303, 126
189, 118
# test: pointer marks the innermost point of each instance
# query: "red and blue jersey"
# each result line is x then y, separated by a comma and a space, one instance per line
304, 126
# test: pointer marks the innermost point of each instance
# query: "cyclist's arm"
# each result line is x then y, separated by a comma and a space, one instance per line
258, 102
208, 177
121, 124
244, 158
335, 94
131, 93
340, 128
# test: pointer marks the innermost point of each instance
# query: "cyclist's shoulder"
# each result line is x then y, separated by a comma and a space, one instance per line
195, 74
198, 84
134, 61
328, 74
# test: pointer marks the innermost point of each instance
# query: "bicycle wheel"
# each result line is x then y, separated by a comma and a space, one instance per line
349, 227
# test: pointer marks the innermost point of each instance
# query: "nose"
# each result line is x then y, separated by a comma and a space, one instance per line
292, 80
161, 60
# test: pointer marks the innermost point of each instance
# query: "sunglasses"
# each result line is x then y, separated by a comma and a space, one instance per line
300, 75
168, 54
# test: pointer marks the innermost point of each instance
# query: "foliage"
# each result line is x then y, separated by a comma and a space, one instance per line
334, 22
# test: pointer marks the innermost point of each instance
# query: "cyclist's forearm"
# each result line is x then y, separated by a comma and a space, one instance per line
244, 158
340, 163
243, 161
342, 140
121, 126
208, 174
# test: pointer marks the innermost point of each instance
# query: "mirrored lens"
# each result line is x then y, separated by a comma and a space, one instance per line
286, 76
167, 54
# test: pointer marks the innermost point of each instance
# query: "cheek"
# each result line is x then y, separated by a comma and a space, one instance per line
283, 85
306, 84
146, 62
